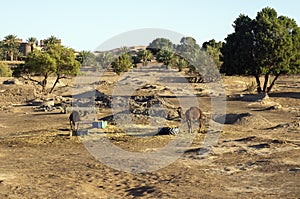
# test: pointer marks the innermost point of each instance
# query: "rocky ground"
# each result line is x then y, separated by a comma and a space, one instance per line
256, 154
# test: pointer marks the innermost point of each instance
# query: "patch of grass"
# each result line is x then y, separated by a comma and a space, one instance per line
5, 71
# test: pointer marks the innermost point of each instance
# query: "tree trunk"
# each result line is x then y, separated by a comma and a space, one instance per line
266, 82
258, 83
11, 55
273, 82
56, 81
44, 83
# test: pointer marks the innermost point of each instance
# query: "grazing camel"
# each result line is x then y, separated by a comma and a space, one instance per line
193, 114
74, 118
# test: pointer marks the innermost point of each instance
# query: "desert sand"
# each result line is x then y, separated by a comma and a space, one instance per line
256, 154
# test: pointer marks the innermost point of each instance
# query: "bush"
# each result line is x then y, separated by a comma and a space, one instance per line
5, 71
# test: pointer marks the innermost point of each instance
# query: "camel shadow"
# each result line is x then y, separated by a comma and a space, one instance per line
140, 191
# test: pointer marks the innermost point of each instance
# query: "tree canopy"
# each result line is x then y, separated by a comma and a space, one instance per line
55, 59
122, 63
159, 44
267, 45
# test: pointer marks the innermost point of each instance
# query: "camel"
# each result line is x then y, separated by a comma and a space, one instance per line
74, 118
193, 114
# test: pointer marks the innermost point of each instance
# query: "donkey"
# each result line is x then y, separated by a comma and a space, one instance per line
193, 114
74, 119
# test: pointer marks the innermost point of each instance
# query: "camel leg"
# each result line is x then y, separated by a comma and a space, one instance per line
189, 123
200, 125
77, 128
71, 129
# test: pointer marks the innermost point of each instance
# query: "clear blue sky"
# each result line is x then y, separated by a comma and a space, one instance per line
84, 25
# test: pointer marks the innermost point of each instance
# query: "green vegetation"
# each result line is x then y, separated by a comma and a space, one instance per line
54, 59
165, 56
122, 63
104, 59
159, 44
9, 48
213, 48
145, 56
5, 71
267, 45
86, 58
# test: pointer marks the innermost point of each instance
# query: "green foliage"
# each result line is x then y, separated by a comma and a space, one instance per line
40, 63
122, 63
51, 41
32, 41
188, 47
165, 56
159, 44
180, 63
145, 56
5, 71
213, 48
55, 59
267, 45
65, 62
238, 50
124, 50
10, 47
86, 58
104, 59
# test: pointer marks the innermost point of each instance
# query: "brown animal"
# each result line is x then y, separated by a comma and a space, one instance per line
74, 119
193, 114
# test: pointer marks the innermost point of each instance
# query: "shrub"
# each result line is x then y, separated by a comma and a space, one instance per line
5, 71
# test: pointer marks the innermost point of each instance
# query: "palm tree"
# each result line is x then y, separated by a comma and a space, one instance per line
86, 58
52, 40
32, 41
181, 63
104, 59
124, 50
11, 45
2, 51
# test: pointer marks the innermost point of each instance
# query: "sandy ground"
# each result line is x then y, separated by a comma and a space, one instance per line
256, 154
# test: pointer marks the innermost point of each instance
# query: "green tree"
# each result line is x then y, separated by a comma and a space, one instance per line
56, 60
5, 71
2, 51
165, 56
180, 63
267, 45
213, 48
65, 62
38, 63
32, 41
159, 44
104, 59
275, 46
11, 46
145, 56
122, 63
190, 51
52, 40
124, 50
86, 58
188, 46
